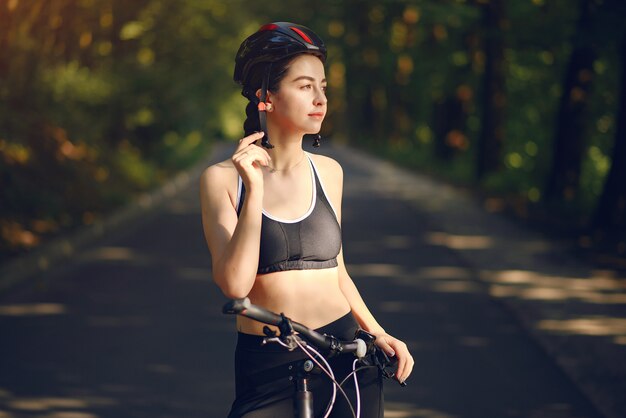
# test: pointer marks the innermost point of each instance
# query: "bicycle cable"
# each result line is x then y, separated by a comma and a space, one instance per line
356, 389
332, 378
345, 379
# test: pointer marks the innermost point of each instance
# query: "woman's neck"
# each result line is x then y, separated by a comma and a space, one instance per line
286, 154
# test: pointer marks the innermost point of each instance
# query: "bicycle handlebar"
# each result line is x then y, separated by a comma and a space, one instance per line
359, 347
245, 308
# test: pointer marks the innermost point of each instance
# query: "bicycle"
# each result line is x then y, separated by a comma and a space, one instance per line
293, 335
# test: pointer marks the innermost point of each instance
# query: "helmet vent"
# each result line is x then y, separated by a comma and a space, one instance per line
269, 26
302, 34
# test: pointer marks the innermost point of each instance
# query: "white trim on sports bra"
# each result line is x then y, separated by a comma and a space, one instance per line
323, 190
311, 207
313, 197
239, 188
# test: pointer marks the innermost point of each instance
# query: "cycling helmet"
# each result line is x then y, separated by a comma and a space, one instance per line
271, 43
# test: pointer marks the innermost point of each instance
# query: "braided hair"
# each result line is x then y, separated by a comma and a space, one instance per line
254, 83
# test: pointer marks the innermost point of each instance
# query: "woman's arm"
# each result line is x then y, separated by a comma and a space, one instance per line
360, 310
234, 242
333, 174
391, 345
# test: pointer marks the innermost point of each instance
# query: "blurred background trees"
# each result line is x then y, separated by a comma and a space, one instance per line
524, 99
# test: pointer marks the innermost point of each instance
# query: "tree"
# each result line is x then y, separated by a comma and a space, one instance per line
610, 214
449, 124
568, 146
494, 95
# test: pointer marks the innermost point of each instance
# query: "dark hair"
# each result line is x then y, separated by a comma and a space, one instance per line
262, 61
278, 71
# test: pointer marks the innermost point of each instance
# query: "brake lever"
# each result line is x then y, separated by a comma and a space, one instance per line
378, 357
387, 365
287, 337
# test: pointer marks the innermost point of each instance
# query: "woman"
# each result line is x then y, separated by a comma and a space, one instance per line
271, 217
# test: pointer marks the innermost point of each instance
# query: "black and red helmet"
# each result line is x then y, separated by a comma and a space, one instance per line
273, 42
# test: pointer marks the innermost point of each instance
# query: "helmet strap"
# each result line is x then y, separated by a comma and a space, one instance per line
265, 141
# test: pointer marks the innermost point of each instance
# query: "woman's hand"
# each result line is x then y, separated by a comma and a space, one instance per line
394, 347
248, 159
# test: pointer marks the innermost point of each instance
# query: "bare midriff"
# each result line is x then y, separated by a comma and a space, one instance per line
311, 297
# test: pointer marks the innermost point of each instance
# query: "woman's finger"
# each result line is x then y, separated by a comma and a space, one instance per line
382, 343
409, 370
405, 366
258, 154
405, 361
250, 139
400, 373
250, 155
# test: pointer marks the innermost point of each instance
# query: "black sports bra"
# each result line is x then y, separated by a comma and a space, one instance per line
312, 241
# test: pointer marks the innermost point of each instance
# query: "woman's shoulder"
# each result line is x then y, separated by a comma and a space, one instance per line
218, 172
220, 177
327, 166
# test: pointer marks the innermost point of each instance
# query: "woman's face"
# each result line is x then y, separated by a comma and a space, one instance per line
300, 103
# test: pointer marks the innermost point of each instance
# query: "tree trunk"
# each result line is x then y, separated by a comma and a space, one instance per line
494, 96
563, 180
6, 20
358, 94
610, 213
449, 126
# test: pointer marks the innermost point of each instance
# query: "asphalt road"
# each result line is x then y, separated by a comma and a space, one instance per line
132, 327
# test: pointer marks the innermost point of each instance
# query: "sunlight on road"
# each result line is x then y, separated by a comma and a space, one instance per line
112, 253
540, 286
53, 407
39, 404
443, 272
375, 270
116, 254
460, 242
397, 242
593, 325
443, 279
455, 286
32, 309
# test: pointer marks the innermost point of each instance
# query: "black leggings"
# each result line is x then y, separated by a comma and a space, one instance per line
264, 390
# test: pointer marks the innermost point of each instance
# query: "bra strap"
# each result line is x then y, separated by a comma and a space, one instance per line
241, 195
321, 193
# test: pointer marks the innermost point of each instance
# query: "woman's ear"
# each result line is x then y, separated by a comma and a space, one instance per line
268, 100
268, 96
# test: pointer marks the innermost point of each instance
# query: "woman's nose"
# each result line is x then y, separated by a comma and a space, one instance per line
320, 97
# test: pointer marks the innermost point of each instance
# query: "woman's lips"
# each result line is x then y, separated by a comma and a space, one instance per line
316, 115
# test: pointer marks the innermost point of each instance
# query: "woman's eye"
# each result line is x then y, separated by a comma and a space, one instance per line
307, 87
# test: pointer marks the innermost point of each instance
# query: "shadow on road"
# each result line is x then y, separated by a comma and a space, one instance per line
133, 326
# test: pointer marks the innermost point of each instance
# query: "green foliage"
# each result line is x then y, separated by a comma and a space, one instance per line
406, 59
101, 99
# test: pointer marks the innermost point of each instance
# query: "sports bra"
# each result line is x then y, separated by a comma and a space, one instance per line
312, 241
